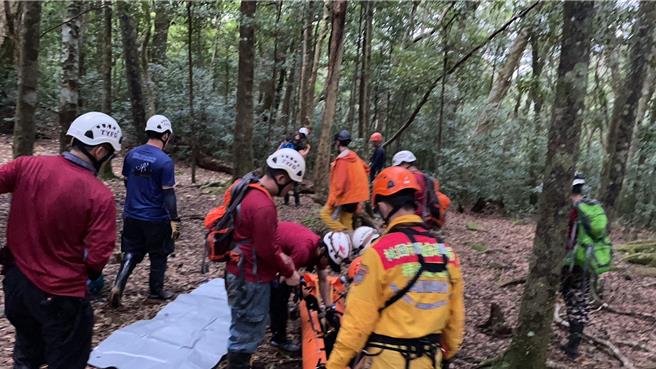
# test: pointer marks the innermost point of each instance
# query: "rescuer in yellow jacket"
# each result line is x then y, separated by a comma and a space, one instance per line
383, 326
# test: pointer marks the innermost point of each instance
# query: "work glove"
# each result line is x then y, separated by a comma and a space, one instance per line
175, 229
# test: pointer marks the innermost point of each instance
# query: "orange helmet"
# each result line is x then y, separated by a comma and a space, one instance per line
376, 137
392, 180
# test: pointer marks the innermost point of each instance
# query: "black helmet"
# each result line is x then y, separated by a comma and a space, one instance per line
343, 136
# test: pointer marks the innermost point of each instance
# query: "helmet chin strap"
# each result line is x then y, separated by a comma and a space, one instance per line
392, 212
95, 162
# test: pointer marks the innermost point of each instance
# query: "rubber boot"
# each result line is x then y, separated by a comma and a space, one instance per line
574, 340
158, 263
239, 360
126, 268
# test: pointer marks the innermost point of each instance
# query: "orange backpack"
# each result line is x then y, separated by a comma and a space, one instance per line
220, 221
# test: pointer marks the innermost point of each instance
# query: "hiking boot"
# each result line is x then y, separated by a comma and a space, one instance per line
115, 297
287, 346
161, 295
574, 340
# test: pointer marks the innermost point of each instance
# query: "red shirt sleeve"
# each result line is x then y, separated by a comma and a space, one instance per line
101, 236
266, 240
9, 175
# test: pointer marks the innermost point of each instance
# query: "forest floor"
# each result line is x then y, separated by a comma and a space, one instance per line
493, 250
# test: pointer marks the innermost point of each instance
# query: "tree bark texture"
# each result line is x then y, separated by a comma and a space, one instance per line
306, 68
106, 55
132, 63
70, 79
530, 343
243, 137
363, 101
160, 38
322, 160
190, 74
27, 75
624, 109
501, 84
318, 49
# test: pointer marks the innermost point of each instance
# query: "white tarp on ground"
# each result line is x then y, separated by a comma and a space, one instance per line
191, 332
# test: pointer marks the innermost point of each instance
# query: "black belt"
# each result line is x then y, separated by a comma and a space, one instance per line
409, 348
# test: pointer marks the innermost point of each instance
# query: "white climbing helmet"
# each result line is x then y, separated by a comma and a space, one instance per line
290, 161
578, 180
362, 238
304, 131
95, 128
404, 156
338, 245
159, 123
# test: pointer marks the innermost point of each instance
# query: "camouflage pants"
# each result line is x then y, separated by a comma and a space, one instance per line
575, 287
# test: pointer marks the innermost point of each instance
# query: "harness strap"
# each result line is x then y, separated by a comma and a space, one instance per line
409, 348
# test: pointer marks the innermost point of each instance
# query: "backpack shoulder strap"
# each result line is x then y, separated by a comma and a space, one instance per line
423, 265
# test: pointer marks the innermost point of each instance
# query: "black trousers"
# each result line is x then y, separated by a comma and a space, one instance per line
297, 194
53, 330
153, 238
279, 310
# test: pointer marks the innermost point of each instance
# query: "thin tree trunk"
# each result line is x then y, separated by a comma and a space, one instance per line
502, 83
318, 48
82, 52
132, 72
226, 86
70, 59
332, 83
276, 69
27, 75
353, 94
363, 108
106, 73
530, 343
149, 88
624, 109
440, 125
192, 121
289, 91
106, 55
160, 38
243, 137
306, 67
538, 99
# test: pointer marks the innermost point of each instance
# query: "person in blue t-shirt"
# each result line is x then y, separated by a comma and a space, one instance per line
150, 217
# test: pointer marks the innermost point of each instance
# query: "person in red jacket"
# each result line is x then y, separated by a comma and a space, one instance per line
309, 251
248, 280
61, 231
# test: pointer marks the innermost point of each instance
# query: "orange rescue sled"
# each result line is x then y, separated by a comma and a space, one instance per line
318, 336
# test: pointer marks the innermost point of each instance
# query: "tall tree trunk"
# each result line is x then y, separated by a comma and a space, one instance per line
148, 85
318, 48
106, 73
160, 38
82, 52
303, 110
322, 160
501, 85
363, 111
226, 85
289, 92
243, 137
132, 72
70, 59
530, 343
106, 56
624, 109
192, 121
27, 75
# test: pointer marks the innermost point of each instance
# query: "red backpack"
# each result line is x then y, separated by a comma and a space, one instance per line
220, 221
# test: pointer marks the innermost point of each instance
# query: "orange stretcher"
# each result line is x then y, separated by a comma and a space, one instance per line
318, 335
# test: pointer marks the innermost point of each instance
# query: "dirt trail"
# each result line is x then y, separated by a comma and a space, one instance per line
493, 250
